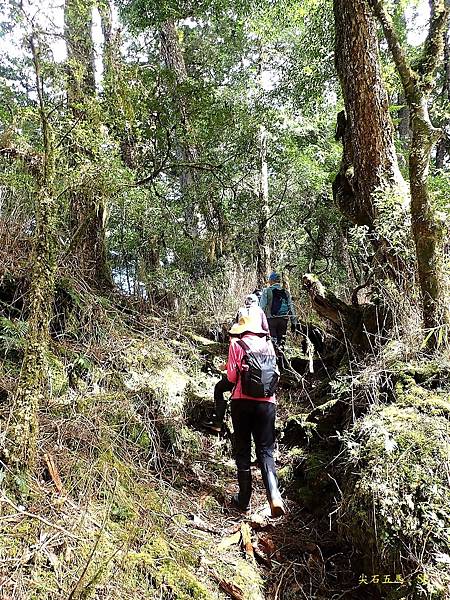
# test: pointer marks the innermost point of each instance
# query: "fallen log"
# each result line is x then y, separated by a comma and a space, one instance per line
362, 326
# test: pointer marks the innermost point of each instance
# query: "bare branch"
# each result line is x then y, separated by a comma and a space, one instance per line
278, 208
64, 137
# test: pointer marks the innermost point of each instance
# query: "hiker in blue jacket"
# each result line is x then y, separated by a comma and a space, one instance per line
277, 304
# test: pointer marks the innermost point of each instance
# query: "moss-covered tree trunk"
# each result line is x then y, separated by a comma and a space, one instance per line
186, 149
114, 104
87, 203
418, 84
21, 435
443, 146
426, 229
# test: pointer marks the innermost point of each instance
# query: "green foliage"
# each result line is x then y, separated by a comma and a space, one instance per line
248, 64
12, 334
142, 14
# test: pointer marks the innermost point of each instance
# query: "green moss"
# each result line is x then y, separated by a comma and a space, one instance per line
286, 474
411, 394
182, 439
57, 375
210, 503
399, 503
109, 440
156, 563
12, 335
159, 371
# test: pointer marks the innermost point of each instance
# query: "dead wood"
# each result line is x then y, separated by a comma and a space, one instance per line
363, 326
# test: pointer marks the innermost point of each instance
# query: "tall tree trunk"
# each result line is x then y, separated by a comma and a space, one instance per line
418, 84
110, 57
21, 435
427, 232
403, 127
263, 247
369, 168
87, 205
443, 145
80, 52
186, 150
113, 86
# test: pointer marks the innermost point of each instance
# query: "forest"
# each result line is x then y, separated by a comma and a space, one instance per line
159, 162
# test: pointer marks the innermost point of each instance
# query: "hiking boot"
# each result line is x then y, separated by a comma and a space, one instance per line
242, 499
273, 493
214, 426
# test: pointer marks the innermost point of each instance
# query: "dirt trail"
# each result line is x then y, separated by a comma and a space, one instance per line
298, 554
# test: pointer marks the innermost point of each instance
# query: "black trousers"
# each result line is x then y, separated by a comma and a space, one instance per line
278, 328
254, 418
220, 404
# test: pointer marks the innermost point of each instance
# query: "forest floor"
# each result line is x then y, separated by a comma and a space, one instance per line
297, 555
131, 496
131, 503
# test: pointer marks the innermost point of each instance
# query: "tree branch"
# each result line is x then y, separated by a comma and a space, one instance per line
434, 44
65, 136
407, 75
278, 208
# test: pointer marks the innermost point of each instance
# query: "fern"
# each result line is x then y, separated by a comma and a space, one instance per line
12, 334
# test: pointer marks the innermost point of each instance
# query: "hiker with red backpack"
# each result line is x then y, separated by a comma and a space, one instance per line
252, 368
277, 304
250, 309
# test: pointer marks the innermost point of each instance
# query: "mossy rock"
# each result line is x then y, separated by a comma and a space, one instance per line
409, 393
207, 346
298, 431
398, 503
329, 416
314, 486
159, 371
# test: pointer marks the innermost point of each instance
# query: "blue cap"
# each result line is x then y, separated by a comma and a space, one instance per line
274, 276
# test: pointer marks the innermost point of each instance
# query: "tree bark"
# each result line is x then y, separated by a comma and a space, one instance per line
427, 232
443, 145
21, 435
369, 169
185, 147
363, 327
418, 84
111, 56
263, 247
87, 205
403, 128
80, 52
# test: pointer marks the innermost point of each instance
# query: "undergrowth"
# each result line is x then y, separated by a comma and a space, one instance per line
396, 474
111, 512
107, 515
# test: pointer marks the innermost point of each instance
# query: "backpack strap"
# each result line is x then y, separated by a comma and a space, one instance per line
243, 345
268, 308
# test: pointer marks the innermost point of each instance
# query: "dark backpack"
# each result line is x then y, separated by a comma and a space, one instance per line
259, 373
280, 303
